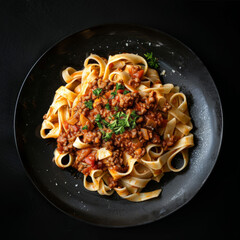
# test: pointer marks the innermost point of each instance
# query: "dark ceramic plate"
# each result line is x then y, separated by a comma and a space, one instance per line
64, 189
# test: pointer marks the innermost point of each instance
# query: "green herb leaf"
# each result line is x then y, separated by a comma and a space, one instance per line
114, 93
118, 123
133, 114
105, 122
89, 104
126, 92
148, 55
133, 119
120, 130
85, 127
122, 121
113, 124
107, 106
152, 61
99, 125
106, 135
119, 86
98, 121
98, 117
97, 92
120, 114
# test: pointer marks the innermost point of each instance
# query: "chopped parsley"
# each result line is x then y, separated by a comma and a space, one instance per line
133, 119
126, 92
98, 121
89, 104
85, 127
117, 123
152, 61
106, 135
105, 122
98, 118
97, 92
122, 121
107, 106
118, 87
114, 93
99, 125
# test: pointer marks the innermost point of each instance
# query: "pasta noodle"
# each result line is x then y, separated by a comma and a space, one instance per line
116, 122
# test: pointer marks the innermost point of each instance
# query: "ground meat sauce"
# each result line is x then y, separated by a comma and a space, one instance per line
103, 105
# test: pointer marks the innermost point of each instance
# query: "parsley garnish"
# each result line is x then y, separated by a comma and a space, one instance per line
98, 117
133, 114
113, 94
85, 127
107, 106
118, 125
89, 104
99, 125
123, 121
106, 135
105, 122
97, 92
126, 92
152, 61
133, 119
98, 121
120, 130
118, 87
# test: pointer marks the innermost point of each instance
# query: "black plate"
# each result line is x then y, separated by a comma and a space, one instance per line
65, 190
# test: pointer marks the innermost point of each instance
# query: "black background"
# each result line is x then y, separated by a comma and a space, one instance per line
211, 29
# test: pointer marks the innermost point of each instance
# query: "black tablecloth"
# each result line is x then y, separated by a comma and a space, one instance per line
211, 29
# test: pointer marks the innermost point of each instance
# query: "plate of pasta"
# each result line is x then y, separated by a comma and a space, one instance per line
118, 125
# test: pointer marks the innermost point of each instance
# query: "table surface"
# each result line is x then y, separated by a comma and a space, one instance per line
210, 29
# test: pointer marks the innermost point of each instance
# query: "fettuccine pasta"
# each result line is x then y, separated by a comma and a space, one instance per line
119, 125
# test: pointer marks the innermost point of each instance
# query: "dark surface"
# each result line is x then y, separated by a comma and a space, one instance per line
183, 68
210, 29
